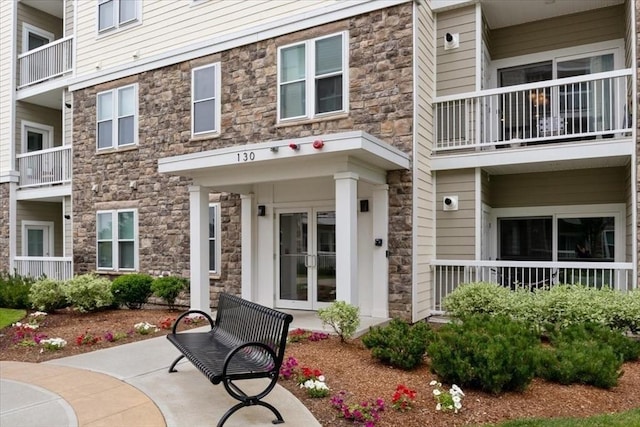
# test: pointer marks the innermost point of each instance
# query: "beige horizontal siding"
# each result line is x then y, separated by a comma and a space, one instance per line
171, 25
556, 33
456, 68
568, 187
6, 86
455, 230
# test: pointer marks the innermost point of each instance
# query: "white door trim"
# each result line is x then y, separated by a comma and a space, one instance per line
48, 232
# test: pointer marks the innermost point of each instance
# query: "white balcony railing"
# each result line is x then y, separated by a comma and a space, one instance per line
583, 107
45, 167
449, 274
51, 60
59, 268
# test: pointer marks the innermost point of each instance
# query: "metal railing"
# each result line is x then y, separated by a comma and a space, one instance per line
51, 60
583, 107
528, 275
45, 167
59, 268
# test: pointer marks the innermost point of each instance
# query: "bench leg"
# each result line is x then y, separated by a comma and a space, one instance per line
278, 420
172, 368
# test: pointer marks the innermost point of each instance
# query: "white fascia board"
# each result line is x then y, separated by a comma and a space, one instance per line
357, 143
333, 12
44, 192
536, 154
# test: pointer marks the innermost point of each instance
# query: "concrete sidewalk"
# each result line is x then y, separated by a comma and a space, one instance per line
128, 385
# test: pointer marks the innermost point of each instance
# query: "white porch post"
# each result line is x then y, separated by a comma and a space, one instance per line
346, 237
380, 306
199, 247
247, 226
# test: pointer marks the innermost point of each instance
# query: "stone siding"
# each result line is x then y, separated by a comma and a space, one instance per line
4, 227
380, 103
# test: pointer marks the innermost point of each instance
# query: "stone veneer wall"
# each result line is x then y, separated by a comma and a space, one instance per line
381, 103
4, 227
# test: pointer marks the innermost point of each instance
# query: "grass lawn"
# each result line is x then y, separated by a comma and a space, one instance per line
623, 419
10, 315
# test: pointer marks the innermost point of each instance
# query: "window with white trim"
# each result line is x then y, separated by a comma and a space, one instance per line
117, 240
214, 241
205, 99
34, 37
117, 117
113, 14
312, 77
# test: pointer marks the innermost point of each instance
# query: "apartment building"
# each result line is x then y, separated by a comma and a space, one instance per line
295, 153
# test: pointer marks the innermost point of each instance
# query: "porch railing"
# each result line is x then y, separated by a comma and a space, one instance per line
51, 60
45, 167
529, 275
59, 268
583, 107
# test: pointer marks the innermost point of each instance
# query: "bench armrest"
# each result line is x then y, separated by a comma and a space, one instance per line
239, 348
187, 313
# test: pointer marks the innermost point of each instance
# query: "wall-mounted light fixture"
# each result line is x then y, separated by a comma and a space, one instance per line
133, 185
364, 206
451, 41
450, 203
262, 210
67, 104
67, 216
94, 188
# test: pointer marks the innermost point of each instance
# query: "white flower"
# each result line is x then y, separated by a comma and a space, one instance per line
38, 314
438, 407
321, 378
456, 390
432, 383
455, 398
458, 405
436, 392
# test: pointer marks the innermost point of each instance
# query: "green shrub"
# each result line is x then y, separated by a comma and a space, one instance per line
132, 290
47, 295
88, 292
490, 353
168, 288
399, 344
581, 361
14, 290
477, 298
343, 317
621, 345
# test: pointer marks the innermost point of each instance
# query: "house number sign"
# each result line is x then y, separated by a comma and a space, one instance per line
246, 156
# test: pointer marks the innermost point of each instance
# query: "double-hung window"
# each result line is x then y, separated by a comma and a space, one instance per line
312, 77
117, 117
114, 14
117, 239
205, 99
214, 241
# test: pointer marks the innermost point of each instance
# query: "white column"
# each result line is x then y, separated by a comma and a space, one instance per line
346, 237
247, 252
199, 256
380, 303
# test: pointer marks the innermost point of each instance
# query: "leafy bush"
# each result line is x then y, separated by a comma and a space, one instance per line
621, 345
14, 290
132, 290
343, 317
168, 288
490, 353
399, 344
581, 361
88, 292
477, 298
47, 295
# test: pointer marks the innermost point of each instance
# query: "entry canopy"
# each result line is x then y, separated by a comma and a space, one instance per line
234, 168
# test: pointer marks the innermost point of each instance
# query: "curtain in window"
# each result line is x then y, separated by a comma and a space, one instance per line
292, 75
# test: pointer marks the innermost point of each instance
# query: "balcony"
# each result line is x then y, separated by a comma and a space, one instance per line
45, 167
562, 110
59, 268
529, 275
46, 62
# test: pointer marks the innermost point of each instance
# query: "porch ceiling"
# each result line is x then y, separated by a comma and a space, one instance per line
226, 168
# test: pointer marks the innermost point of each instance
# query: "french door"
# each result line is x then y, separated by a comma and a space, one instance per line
306, 258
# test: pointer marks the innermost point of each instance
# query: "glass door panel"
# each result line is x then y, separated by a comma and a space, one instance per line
326, 255
293, 256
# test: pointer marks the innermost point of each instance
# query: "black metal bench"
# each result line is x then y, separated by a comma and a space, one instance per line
246, 341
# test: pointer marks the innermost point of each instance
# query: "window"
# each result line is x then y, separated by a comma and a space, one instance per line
34, 37
205, 99
214, 242
117, 120
116, 13
117, 242
312, 77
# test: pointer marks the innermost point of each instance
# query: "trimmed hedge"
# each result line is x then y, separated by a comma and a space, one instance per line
399, 344
132, 290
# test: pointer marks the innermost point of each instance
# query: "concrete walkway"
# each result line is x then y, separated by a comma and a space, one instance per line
129, 386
